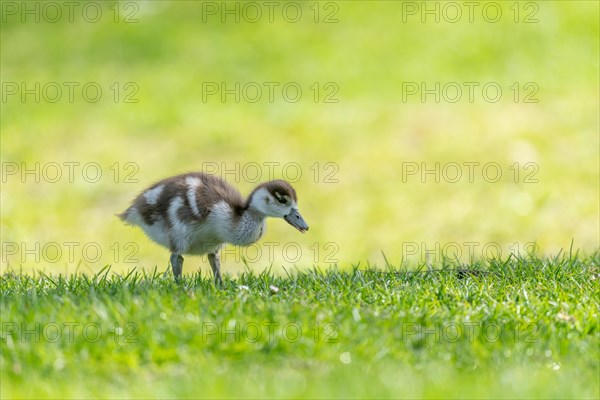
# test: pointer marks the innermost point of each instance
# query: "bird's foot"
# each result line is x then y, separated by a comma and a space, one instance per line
177, 265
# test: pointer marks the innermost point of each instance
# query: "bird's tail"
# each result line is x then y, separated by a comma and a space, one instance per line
124, 215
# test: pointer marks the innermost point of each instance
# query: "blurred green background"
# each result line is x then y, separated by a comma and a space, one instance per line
353, 153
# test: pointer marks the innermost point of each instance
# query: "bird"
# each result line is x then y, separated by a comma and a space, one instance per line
198, 213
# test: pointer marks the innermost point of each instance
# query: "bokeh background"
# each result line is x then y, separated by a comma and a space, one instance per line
353, 133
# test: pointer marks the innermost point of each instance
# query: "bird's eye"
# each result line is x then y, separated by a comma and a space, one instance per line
281, 200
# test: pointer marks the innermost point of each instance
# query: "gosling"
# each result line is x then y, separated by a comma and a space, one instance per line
197, 213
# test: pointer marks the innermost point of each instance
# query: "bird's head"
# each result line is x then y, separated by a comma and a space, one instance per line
277, 199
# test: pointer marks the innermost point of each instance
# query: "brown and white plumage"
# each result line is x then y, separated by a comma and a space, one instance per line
196, 213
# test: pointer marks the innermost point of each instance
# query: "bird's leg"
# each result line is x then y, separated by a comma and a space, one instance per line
177, 265
215, 264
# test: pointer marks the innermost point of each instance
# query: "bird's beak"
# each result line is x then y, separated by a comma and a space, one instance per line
295, 219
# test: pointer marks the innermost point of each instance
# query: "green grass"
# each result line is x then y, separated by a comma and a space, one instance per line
522, 327
387, 323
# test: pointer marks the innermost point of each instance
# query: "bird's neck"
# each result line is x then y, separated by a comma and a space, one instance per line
248, 227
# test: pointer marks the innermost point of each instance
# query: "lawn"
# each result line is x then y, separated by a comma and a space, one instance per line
448, 169
518, 328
